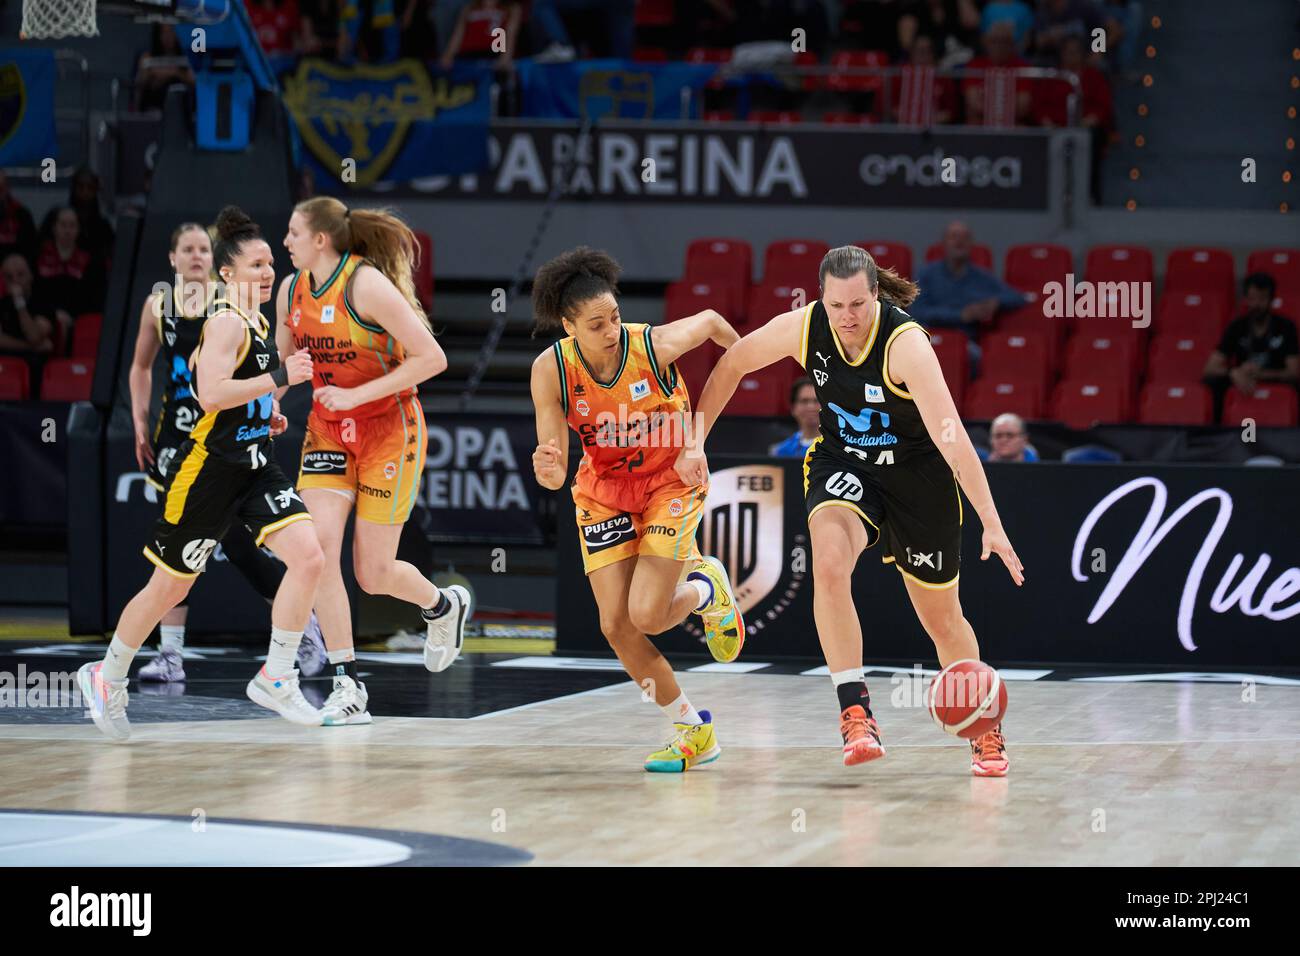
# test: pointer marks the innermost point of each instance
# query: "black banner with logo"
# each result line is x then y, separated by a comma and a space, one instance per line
738, 163
1190, 567
34, 449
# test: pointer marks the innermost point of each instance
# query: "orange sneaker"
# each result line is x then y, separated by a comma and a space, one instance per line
988, 754
861, 736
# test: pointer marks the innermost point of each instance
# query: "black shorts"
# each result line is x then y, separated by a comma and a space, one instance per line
166, 457
915, 507
206, 496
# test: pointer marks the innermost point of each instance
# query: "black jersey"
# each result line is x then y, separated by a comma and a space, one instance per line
241, 434
178, 337
864, 415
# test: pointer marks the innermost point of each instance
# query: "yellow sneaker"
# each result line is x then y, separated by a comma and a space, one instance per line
724, 627
694, 745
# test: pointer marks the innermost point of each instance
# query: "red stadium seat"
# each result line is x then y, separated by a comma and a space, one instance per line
15, 378
951, 348
687, 298
981, 256
836, 118
708, 54
694, 367
1285, 305
1191, 313
989, 397
891, 255
1084, 402
1271, 406
727, 260
796, 262
844, 60
1103, 356
85, 335
1198, 269
1282, 264
424, 271
1033, 265
770, 299
765, 392
1029, 320
67, 380
1017, 356
1119, 264
1178, 359
654, 13
1189, 404
775, 117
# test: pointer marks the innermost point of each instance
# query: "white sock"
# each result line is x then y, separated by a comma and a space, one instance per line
341, 656
703, 591
283, 654
173, 637
854, 675
680, 711
117, 661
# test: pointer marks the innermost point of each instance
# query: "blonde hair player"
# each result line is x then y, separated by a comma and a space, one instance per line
170, 322
225, 472
352, 303
616, 386
882, 469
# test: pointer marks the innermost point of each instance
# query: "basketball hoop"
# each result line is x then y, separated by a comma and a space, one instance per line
54, 19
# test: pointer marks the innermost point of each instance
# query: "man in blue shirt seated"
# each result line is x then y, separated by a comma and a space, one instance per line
1010, 440
957, 294
805, 409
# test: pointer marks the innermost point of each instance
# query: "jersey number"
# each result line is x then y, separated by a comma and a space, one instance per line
185, 419
255, 453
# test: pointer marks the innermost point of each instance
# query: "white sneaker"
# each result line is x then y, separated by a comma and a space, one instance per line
447, 633
167, 667
284, 696
347, 705
105, 701
312, 655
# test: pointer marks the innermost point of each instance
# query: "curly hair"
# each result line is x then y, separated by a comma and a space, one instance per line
234, 228
569, 280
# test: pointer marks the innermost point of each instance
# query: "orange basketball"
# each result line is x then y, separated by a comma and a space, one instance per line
967, 698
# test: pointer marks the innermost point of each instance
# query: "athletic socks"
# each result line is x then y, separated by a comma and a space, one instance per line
173, 637
283, 654
703, 590
438, 610
851, 689
680, 711
344, 662
117, 661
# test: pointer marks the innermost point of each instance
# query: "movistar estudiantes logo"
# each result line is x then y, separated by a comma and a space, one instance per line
859, 429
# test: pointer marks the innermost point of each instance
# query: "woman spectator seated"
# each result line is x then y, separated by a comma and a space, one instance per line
475, 35
66, 273
26, 320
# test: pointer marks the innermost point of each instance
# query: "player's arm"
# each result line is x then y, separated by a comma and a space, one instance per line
223, 339
379, 303
283, 334
674, 339
551, 457
912, 361
140, 377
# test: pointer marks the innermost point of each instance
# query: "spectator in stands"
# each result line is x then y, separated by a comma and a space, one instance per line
1096, 107
1058, 19
908, 90
957, 294
26, 321
1260, 346
67, 276
373, 29
17, 227
806, 412
320, 26
1009, 439
1015, 12
161, 68
552, 37
993, 95
952, 25
96, 235
475, 36
279, 26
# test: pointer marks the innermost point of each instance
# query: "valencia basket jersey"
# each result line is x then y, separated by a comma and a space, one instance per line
241, 434
345, 350
864, 414
634, 424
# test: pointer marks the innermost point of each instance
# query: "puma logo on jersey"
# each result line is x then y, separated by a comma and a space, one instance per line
875, 393
821, 377
824, 358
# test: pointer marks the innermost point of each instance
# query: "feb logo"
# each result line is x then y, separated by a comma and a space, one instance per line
296, 317
582, 407
13, 101
361, 113
390, 470
675, 507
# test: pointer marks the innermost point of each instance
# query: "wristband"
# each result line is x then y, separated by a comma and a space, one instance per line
280, 377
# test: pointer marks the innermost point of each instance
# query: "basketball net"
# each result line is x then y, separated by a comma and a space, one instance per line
53, 19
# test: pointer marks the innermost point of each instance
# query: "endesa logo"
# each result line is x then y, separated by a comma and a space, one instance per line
980, 172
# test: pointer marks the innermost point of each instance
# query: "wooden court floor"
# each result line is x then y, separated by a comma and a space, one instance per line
1102, 774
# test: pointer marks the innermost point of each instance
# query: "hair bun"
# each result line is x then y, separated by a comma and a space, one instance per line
233, 223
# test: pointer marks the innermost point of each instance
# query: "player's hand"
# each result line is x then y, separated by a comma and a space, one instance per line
692, 466
336, 399
299, 366
1243, 376
995, 541
143, 447
546, 465
278, 422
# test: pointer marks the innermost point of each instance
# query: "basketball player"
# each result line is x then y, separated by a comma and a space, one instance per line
352, 303
882, 469
616, 386
173, 326
226, 471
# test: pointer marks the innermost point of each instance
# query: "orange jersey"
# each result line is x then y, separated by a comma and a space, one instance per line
631, 427
345, 350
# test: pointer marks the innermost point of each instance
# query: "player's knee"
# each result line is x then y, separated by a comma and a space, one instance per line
944, 625
173, 589
617, 629
372, 576
310, 560
833, 568
645, 618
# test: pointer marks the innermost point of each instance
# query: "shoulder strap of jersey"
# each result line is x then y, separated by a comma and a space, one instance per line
901, 322
561, 366
293, 287
667, 378
156, 306
809, 311
354, 266
225, 305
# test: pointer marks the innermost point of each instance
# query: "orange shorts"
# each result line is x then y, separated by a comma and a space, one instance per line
656, 515
377, 462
